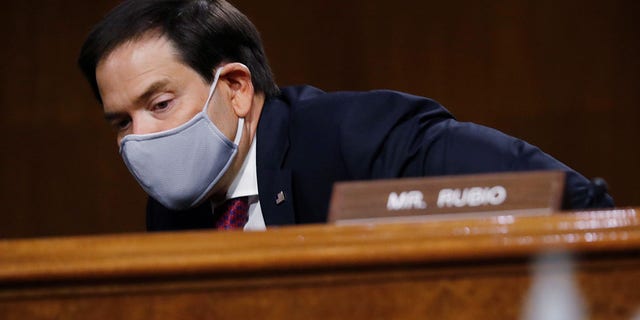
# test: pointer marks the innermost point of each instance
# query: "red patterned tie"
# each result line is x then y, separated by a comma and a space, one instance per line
234, 214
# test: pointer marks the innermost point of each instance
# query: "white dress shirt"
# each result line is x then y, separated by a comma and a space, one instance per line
246, 184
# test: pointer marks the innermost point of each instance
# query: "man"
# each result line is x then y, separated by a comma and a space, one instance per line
199, 120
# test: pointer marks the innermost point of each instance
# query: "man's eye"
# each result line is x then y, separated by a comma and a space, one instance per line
160, 106
121, 124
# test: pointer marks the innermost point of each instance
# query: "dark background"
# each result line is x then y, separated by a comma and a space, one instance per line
563, 75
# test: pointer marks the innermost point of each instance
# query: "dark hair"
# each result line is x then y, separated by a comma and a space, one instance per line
204, 33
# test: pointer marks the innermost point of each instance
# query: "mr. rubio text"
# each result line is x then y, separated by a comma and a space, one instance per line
472, 197
406, 200
447, 198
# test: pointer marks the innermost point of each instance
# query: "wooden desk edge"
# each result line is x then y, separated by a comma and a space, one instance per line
315, 246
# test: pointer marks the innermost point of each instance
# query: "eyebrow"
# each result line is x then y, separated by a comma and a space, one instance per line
151, 89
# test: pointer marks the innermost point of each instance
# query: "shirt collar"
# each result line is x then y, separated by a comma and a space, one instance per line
246, 181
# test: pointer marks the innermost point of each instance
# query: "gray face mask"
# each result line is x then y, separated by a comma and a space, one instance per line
179, 167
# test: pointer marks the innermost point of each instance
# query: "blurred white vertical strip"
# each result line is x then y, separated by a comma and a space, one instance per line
554, 294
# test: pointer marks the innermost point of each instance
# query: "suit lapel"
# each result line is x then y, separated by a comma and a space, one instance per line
274, 182
276, 197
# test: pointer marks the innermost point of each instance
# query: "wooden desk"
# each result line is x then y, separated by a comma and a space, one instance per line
459, 269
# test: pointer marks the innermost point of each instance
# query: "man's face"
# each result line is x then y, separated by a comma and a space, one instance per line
145, 88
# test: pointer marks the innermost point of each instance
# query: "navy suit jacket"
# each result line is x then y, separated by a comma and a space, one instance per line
308, 139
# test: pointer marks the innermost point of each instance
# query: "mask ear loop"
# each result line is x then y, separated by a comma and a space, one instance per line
236, 141
212, 89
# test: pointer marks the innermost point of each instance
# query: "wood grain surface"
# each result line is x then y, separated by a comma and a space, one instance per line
480, 268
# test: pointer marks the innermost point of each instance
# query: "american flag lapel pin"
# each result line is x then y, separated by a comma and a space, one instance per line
280, 197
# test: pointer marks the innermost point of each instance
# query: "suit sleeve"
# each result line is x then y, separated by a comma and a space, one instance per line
397, 135
464, 148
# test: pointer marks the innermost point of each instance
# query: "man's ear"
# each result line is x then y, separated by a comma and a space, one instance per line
241, 93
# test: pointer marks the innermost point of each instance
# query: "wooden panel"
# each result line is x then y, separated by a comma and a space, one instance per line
560, 74
465, 269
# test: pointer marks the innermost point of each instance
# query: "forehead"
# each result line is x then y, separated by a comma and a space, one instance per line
135, 64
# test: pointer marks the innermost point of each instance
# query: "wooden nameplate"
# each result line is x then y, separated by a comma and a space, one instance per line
537, 192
